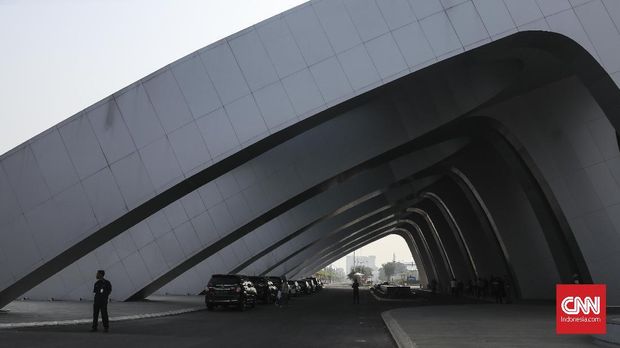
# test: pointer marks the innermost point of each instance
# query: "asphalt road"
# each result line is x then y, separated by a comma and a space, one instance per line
325, 319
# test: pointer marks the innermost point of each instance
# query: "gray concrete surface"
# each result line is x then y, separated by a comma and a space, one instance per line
325, 319
48, 313
482, 325
612, 337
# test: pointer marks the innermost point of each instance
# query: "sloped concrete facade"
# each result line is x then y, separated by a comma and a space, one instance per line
289, 143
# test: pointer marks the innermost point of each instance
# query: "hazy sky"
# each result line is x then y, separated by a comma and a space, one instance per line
383, 250
60, 56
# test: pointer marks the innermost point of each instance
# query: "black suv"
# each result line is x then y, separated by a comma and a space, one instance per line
265, 290
277, 282
294, 288
304, 288
314, 283
230, 289
311, 285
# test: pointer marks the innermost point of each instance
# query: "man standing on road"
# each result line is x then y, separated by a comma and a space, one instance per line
102, 290
285, 292
356, 291
453, 285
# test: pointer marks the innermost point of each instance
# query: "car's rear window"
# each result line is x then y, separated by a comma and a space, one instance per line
223, 280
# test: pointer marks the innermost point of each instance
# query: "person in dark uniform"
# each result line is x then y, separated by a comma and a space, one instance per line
356, 291
102, 290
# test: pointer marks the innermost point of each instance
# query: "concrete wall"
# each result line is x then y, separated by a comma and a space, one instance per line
67, 183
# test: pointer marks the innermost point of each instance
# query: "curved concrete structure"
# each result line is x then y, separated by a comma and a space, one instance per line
318, 130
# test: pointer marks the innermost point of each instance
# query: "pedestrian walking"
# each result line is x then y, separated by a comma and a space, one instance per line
495, 289
356, 291
102, 290
508, 290
285, 293
279, 298
433, 286
485, 287
453, 288
501, 289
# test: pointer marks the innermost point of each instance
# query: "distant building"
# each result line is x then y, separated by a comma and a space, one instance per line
341, 274
368, 261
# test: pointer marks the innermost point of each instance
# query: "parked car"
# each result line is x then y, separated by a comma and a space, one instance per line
277, 282
311, 285
294, 288
230, 290
304, 288
315, 283
265, 290
378, 286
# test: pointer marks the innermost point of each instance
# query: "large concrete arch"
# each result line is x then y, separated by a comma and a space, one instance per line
334, 245
146, 179
329, 234
324, 219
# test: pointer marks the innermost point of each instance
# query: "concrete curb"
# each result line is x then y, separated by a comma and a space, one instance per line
612, 338
88, 321
400, 336
378, 298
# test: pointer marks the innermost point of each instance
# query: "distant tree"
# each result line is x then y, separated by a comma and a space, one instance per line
328, 273
393, 268
399, 268
382, 276
388, 270
364, 270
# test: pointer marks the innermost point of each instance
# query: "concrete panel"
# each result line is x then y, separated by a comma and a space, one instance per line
139, 116
308, 34
367, 18
224, 72
54, 162
82, 146
253, 60
338, 25
281, 46
111, 131
196, 87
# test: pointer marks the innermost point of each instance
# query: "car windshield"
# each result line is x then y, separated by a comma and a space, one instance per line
223, 280
257, 280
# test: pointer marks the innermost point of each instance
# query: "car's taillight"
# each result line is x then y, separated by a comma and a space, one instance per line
238, 289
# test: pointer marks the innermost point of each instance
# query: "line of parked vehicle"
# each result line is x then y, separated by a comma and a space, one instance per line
241, 292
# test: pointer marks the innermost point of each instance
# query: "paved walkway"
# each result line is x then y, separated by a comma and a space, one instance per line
325, 319
46, 313
481, 325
